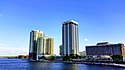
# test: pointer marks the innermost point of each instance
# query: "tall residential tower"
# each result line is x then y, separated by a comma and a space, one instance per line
34, 35
40, 45
70, 38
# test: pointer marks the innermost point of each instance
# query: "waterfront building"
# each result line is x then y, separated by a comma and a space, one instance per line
40, 45
105, 48
82, 53
70, 38
34, 35
61, 50
44, 44
49, 46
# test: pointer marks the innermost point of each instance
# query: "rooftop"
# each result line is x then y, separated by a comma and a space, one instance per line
70, 21
105, 44
38, 31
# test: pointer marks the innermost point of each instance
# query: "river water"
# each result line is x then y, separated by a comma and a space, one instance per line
20, 64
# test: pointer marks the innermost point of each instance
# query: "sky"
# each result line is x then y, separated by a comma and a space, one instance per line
99, 21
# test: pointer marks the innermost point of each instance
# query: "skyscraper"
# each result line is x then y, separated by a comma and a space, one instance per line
70, 39
34, 35
40, 45
50, 46
60, 50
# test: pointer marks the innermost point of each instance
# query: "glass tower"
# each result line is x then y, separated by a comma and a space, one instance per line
70, 39
34, 35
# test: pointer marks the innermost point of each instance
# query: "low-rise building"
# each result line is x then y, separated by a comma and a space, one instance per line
82, 53
105, 48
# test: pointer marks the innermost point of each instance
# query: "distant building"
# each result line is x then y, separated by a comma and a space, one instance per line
34, 35
105, 48
40, 45
50, 46
23, 56
61, 50
70, 38
82, 53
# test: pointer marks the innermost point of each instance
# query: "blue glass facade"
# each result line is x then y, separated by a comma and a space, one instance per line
70, 38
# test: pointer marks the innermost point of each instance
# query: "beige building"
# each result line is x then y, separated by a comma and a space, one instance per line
40, 45
34, 35
49, 46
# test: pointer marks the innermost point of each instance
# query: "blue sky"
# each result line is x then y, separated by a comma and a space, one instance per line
99, 20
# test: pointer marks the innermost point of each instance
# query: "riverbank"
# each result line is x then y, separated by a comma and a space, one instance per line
107, 64
93, 63
90, 63
21, 64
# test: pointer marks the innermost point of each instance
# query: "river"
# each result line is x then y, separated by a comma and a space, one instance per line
21, 64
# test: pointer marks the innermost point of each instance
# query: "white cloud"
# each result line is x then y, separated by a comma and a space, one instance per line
6, 50
1, 44
12, 51
85, 39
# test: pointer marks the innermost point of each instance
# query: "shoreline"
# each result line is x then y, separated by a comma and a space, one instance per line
88, 63
103, 64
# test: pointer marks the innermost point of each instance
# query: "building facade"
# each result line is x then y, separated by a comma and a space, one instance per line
61, 50
82, 53
50, 46
39, 45
34, 35
105, 49
70, 38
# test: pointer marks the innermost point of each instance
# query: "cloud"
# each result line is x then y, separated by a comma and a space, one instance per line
13, 51
2, 45
6, 50
85, 39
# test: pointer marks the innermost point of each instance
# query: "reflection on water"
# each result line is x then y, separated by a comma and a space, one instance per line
18, 64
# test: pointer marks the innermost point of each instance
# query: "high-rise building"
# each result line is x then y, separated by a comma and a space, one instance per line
61, 50
34, 35
50, 46
105, 48
70, 38
40, 45
44, 44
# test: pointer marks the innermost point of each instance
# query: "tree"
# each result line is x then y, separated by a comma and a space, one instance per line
117, 58
51, 58
66, 58
72, 56
42, 57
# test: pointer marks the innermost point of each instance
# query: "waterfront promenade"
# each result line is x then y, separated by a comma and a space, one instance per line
93, 63
22, 64
89, 63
